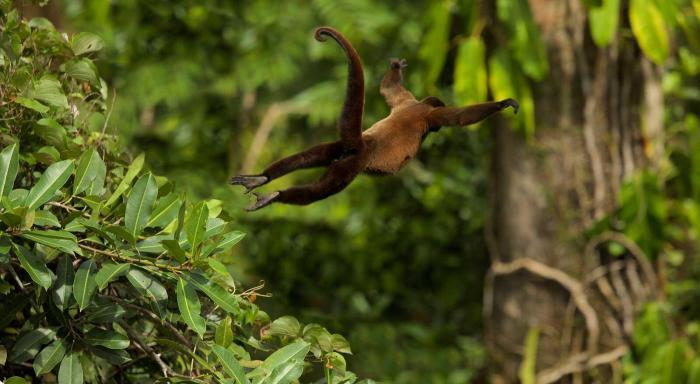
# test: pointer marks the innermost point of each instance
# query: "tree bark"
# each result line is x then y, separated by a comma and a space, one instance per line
547, 191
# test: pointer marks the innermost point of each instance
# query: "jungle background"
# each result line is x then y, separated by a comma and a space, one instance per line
559, 244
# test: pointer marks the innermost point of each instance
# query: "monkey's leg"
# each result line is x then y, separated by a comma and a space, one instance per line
319, 155
338, 176
468, 115
390, 87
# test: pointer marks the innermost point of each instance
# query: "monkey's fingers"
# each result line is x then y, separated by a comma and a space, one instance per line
510, 103
262, 201
249, 182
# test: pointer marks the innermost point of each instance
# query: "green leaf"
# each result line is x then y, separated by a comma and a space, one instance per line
165, 211
84, 284
63, 287
527, 372
46, 219
285, 326
649, 29
140, 203
506, 81
107, 339
35, 266
70, 372
121, 233
47, 155
9, 162
28, 345
147, 286
227, 241
105, 313
16, 380
112, 356
435, 41
50, 181
153, 244
32, 104
525, 42
230, 364
86, 42
108, 273
470, 72
51, 132
49, 357
174, 250
61, 240
83, 70
214, 227
89, 166
218, 295
340, 344
190, 307
295, 351
49, 90
603, 21
131, 173
196, 225
223, 335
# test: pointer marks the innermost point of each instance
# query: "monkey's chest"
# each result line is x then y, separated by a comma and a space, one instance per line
389, 151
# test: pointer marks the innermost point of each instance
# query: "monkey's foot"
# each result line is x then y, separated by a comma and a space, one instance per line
262, 201
510, 103
398, 64
249, 182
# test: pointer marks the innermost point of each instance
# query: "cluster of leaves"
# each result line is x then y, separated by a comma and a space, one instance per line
107, 272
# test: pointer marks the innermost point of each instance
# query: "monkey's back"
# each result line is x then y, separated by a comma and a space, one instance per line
395, 139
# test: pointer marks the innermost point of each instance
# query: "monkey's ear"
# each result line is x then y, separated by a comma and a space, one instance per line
433, 101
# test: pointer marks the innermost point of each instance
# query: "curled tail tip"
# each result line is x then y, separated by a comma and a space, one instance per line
321, 32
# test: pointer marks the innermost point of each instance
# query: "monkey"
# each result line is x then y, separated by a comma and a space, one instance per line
382, 149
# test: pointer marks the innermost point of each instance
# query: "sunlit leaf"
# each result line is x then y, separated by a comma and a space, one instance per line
49, 90
285, 326
86, 42
82, 69
9, 162
53, 178
649, 29
84, 284
603, 21
61, 240
49, 357
525, 42
217, 294
190, 307
230, 364
165, 210
88, 168
470, 72
223, 335
505, 82
28, 345
46, 219
63, 287
196, 225
70, 372
108, 273
35, 266
131, 173
147, 286
140, 203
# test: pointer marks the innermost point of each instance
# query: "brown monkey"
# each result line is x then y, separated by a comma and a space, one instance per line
382, 149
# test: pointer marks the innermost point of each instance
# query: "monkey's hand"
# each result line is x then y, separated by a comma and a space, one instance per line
262, 201
398, 63
249, 182
510, 103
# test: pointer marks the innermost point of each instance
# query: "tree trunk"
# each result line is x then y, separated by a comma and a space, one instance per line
545, 275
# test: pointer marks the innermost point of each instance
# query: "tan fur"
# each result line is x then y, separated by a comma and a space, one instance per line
395, 139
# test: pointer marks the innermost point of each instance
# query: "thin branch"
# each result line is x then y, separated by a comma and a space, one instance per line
167, 371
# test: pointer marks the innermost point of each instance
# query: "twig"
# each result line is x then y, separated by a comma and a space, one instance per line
580, 363
16, 276
148, 350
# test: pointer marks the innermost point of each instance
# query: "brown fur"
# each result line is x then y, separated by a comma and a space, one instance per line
382, 149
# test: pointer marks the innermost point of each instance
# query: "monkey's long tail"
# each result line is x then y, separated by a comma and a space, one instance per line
350, 124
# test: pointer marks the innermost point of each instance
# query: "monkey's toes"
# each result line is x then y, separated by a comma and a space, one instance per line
262, 201
249, 182
510, 103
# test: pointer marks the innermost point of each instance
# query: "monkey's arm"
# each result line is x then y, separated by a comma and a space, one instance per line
468, 115
390, 87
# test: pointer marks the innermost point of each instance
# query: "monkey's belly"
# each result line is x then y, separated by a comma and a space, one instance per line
389, 158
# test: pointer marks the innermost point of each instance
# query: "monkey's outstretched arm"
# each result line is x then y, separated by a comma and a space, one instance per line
350, 123
468, 115
390, 87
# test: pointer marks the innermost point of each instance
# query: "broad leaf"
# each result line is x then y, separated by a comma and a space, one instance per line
470, 72
63, 287
89, 166
196, 225
35, 266
84, 284
131, 173
108, 273
165, 211
82, 69
61, 240
46, 219
140, 203
70, 372
218, 295
174, 250
32, 104
223, 335
525, 42
190, 307
147, 286
50, 181
51, 132
295, 351
49, 357
28, 345
49, 90
603, 21
107, 339
227, 241
649, 29
9, 162
506, 81
86, 42
105, 313
230, 364
285, 326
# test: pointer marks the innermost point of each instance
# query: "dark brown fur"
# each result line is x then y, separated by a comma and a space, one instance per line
382, 149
